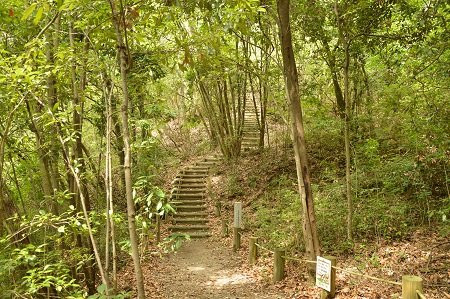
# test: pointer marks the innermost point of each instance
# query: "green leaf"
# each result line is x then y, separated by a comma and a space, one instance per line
159, 205
28, 11
101, 288
159, 193
38, 16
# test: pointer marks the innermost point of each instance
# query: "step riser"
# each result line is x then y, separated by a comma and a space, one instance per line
190, 187
187, 203
190, 209
184, 215
191, 180
187, 195
188, 230
190, 221
190, 191
190, 176
199, 236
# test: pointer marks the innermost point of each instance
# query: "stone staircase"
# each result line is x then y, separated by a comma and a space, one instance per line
250, 130
188, 198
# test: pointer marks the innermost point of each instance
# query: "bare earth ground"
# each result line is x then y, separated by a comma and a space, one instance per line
210, 269
206, 269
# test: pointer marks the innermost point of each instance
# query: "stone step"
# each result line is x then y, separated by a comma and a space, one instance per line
206, 164
190, 180
197, 221
178, 191
197, 235
206, 168
188, 195
190, 214
212, 159
188, 176
190, 208
190, 186
183, 228
187, 202
194, 171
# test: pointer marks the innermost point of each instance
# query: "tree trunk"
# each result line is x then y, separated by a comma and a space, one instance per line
292, 87
116, 17
110, 234
348, 180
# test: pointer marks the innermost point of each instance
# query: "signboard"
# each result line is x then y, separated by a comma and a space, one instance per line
323, 273
237, 214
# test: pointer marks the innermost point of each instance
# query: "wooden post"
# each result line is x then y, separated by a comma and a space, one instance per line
238, 214
158, 228
324, 294
410, 285
218, 208
278, 264
224, 228
237, 226
236, 238
253, 250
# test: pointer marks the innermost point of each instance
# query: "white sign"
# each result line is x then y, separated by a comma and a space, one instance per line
237, 214
323, 273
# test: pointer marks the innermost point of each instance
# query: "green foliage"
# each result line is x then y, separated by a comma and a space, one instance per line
101, 289
173, 242
277, 215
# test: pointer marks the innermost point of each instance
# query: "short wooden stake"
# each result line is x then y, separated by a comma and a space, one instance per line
236, 238
218, 208
325, 294
410, 285
158, 228
224, 227
253, 250
278, 264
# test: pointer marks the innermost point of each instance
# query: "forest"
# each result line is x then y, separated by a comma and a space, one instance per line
132, 130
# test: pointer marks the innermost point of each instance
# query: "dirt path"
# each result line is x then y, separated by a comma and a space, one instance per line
205, 269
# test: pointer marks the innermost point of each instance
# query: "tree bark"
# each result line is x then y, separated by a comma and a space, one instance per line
348, 180
292, 88
116, 18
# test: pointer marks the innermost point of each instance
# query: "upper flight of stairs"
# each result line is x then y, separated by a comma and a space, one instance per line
188, 198
250, 132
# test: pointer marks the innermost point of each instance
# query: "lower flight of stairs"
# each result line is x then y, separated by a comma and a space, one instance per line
188, 198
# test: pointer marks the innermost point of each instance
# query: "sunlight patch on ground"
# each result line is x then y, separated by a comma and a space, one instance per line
195, 269
229, 279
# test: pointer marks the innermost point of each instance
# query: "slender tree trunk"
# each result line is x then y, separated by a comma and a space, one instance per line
43, 159
110, 234
116, 17
292, 87
348, 180
52, 98
7, 205
77, 147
